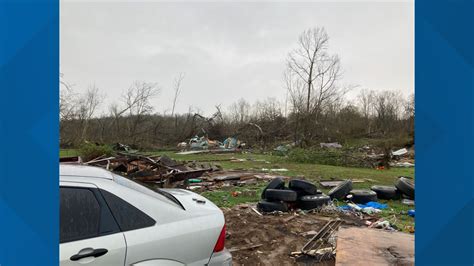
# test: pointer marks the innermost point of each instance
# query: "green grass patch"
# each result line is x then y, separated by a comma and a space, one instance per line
68, 152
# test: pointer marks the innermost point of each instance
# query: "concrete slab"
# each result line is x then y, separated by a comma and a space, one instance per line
366, 246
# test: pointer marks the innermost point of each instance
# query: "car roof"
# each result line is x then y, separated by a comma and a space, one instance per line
83, 171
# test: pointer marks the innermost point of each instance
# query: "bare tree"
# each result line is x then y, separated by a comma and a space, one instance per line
314, 66
137, 104
240, 111
87, 105
177, 90
66, 99
387, 110
312, 71
366, 102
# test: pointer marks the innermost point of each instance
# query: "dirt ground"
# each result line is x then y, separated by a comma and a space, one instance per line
277, 236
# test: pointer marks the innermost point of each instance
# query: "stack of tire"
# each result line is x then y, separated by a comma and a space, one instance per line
344, 190
299, 194
404, 187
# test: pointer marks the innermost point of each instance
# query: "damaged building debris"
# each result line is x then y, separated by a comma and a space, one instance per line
306, 222
203, 143
296, 220
159, 170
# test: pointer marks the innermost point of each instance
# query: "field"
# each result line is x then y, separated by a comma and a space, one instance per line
313, 172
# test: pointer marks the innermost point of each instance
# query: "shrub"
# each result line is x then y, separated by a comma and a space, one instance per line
89, 151
337, 157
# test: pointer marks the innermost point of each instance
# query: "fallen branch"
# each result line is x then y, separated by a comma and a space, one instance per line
245, 248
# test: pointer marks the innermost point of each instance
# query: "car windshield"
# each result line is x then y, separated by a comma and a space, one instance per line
147, 189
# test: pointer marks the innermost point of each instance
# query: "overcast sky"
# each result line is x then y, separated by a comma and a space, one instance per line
229, 50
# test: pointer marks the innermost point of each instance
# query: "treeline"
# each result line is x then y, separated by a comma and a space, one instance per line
264, 124
316, 109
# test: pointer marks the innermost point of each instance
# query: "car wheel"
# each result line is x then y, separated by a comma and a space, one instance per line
313, 201
386, 192
341, 190
269, 206
280, 195
276, 183
363, 195
406, 186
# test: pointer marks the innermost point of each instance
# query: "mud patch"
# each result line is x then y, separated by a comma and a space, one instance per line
279, 235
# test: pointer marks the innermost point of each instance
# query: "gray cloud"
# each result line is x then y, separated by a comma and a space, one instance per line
229, 50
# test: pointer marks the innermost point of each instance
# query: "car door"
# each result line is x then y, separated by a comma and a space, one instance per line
89, 234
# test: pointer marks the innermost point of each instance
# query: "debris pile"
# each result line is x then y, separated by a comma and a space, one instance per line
218, 179
205, 145
159, 170
322, 246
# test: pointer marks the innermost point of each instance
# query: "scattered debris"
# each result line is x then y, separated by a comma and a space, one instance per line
203, 144
161, 171
322, 245
408, 202
336, 182
275, 170
278, 238
402, 164
245, 248
333, 145
382, 224
255, 210
123, 147
400, 152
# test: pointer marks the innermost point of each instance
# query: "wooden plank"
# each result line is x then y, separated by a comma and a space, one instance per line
365, 246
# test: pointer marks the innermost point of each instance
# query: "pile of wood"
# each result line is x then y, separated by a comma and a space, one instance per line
157, 169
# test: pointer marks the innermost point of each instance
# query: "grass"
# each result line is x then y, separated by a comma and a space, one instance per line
396, 213
68, 152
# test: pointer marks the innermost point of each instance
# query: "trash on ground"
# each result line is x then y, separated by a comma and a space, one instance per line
408, 202
333, 145
203, 144
322, 245
275, 170
402, 164
400, 152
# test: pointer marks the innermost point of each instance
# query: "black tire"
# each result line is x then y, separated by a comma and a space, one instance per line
363, 196
301, 193
340, 191
303, 186
280, 195
276, 183
313, 201
386, 192
406, 186
267, 206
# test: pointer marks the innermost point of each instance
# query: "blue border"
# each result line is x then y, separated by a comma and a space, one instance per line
29, 60
444, 83
29, 71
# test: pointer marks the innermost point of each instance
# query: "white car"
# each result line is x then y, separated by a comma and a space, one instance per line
107, 219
